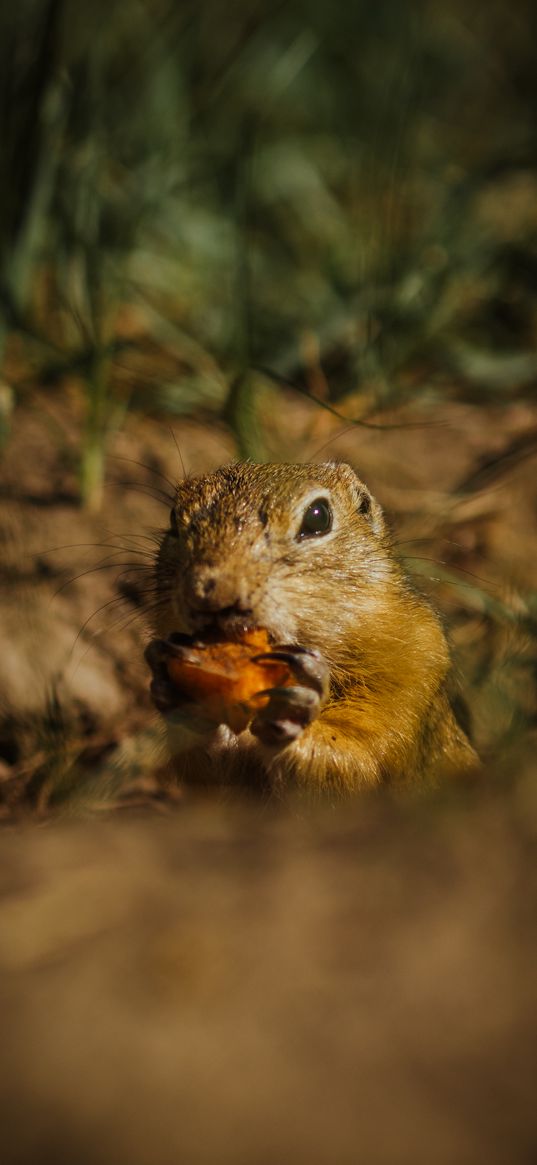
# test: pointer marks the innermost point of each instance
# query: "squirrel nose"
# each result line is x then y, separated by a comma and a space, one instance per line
208, 586
206, 593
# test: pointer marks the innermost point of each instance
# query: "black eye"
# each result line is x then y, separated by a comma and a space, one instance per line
174, 529
317, 519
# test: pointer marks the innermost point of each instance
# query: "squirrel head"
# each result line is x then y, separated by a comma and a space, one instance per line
301, 550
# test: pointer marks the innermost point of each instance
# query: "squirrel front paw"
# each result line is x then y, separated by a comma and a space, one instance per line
289, 710
166, 696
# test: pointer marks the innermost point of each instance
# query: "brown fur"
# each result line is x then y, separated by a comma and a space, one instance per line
345, 594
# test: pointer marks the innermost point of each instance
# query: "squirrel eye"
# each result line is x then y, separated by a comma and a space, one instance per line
317, 519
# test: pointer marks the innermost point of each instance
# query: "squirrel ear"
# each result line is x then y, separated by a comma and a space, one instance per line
366, 504
371, 509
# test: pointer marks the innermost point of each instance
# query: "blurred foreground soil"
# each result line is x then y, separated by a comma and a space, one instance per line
350, 986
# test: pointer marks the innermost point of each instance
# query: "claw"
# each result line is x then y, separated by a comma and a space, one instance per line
286, 651
164, 695
307, 665
299, 698
180, 639
156, 653
278, 653
277, 733
284, 717
159, 651
185, 654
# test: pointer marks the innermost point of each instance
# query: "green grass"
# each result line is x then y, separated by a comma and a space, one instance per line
297, 169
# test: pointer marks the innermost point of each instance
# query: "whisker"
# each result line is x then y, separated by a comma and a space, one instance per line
414, 541
128, 621
93, 546
115, 600
98, 611
357, 422
334, 437
180, 455
131, 566
152, 536
150, 469
95, 634
158, 495
123, 548
121, 624
454, 568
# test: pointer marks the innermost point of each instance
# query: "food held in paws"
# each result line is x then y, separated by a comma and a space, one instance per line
224, 679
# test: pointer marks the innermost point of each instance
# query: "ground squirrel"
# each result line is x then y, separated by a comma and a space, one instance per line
303, 551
